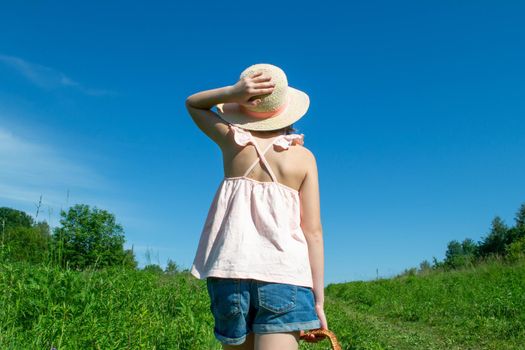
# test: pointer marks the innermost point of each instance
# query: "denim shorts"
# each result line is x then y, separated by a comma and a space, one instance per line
241, 306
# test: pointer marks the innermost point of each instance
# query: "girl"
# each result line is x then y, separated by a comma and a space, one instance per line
261, 247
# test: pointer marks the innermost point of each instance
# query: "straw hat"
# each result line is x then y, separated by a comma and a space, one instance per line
282, 107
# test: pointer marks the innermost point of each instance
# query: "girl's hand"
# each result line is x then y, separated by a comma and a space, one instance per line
319, 308
253, 85
311, 338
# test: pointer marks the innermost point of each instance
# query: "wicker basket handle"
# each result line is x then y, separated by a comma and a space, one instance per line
322, 333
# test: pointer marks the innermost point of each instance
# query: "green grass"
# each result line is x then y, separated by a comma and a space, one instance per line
109, 309
41, 307
476, 308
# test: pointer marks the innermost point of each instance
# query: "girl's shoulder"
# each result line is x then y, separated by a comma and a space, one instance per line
298, 155
305, 153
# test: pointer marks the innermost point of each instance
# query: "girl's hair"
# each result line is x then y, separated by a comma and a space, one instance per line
287, 130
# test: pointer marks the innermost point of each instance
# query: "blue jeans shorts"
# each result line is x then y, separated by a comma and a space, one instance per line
241, 306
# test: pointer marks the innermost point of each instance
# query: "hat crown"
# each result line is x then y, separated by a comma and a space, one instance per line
275, 99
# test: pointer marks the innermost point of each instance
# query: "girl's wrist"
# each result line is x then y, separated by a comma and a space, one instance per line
209, 98
228, 93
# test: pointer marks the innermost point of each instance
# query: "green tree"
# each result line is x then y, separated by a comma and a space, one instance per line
90, 238
496, 241
129, 259
453, 254
469, 247
520, 217
518, 231
28, 244
153, 268
436, 264
21, 238
15, 218
171, 267
516, 250
460, 254
425, 266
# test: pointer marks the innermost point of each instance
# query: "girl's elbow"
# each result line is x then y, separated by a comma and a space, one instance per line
315, 231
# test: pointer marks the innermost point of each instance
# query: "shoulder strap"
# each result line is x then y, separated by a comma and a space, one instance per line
262, 158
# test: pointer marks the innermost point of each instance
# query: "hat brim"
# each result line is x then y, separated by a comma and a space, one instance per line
297, 107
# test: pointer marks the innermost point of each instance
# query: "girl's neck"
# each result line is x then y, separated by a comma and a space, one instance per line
266, 134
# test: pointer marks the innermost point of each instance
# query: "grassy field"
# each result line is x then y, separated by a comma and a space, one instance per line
44, 307
478, 308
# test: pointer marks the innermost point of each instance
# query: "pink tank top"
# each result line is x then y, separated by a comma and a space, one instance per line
252, 229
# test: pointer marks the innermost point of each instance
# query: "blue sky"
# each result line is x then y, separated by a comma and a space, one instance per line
416, 116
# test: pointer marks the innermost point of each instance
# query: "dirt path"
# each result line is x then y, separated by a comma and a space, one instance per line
372, 332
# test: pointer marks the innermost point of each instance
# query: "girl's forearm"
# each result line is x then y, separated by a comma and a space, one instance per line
209, 98
316, 256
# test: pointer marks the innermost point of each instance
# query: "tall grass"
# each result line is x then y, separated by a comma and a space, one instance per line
43, 307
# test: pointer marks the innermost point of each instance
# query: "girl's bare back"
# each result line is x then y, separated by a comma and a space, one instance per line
290, 166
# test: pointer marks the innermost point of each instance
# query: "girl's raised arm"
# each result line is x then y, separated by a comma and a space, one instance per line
199, 107
199, 104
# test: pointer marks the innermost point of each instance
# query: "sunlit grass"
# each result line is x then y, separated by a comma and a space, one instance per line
44, 306
109, 309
